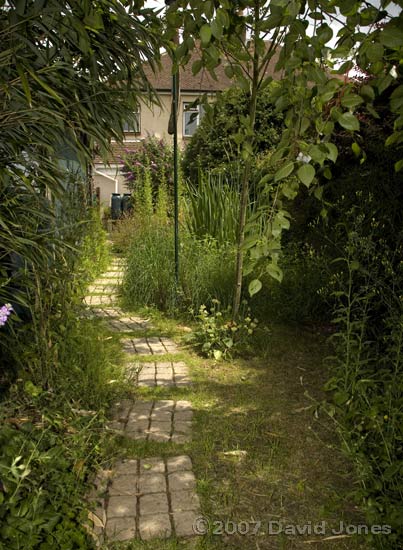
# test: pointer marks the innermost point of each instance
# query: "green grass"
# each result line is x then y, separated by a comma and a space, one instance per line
290, 467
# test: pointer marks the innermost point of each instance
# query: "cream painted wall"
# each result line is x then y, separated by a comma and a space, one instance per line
154, 119
107, 186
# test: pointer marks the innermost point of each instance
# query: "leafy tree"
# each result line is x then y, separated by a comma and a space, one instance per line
313, 101
213, 144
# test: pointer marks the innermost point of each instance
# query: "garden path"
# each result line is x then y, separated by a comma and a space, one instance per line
150, 497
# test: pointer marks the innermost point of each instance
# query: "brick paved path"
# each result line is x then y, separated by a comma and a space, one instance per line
149, 346
163, 374
153, 497
147, 498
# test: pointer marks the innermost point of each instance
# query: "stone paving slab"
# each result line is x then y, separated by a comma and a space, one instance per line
149, 498
129, 323
162, 421
164, 374
105, 281
100, 287
110, 274
101, 299
156, 345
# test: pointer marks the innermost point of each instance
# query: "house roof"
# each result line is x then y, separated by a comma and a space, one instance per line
161, 80
117, 153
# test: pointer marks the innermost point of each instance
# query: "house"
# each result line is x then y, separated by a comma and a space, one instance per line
153, 120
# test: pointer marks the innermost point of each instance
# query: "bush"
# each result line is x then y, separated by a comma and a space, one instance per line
154, 160
367, 368
218, 336
45, 461
52, 416
206, 269
213, 145
303, 294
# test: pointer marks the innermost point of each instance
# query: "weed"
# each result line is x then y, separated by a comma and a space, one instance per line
218, 335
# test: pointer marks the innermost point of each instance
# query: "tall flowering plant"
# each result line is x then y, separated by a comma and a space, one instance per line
153, 156
5, 312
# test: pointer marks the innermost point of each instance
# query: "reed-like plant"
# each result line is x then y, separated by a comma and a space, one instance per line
213, 206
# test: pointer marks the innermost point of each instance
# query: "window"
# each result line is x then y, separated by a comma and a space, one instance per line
192, 116
133, 127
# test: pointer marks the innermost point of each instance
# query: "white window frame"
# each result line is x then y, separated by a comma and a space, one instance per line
133, 128
188, 107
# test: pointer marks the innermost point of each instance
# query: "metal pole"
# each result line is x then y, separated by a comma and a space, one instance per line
175, 90
173, 129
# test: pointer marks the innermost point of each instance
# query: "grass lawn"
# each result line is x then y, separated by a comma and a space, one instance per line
261, 449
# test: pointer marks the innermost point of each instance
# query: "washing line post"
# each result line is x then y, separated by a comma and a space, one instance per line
173, 130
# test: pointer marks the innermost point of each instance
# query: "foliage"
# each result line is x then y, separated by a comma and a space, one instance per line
93, 252
220, 337
49, 261
44, 462
153, 161
213, 206
122, 233
214, 143
206, 269
303, 294
314, 101
367, 377
71, 74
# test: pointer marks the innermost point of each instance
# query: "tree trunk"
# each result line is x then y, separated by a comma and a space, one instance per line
245, 177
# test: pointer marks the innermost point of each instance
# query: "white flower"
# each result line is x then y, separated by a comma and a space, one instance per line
304, 158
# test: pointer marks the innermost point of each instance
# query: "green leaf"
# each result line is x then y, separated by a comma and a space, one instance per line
349, 122
367, 93
396, 99
217, 354
340, 397
318, 193
25, 85
45, 86
274, 271
284, 171
205, 34
254, 287
197, 66
392, 37
351, 101
356, 149
306, 173
374, 52
333, 151
399, 165
217, 29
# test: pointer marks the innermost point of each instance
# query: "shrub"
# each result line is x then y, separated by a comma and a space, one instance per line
213, 145
303, 294
122, 233
45, 461
218, 336
367, 368
153, 159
